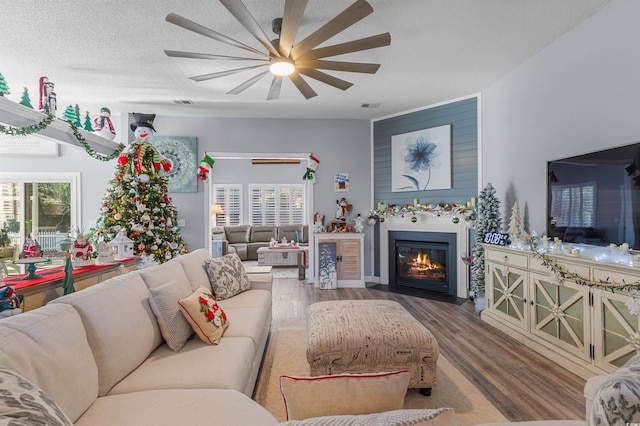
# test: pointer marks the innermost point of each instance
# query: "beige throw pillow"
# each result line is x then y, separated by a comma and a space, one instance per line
174, 327
413, 417
227, 276
339, 394
204, 314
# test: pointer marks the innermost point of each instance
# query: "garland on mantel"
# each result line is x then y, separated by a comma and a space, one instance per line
432, 209
28, 130
48, 119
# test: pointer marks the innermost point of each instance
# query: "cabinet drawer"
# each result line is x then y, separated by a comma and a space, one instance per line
614, 276
536, 265
513, 259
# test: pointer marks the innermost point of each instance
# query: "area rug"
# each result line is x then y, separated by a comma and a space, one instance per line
452, 389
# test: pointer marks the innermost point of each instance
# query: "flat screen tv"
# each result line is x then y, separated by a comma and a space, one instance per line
595, 198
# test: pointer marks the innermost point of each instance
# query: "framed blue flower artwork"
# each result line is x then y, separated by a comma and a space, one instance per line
181, 151
421, 160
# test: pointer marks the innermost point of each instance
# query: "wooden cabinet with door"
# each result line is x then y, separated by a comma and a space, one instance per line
349, 256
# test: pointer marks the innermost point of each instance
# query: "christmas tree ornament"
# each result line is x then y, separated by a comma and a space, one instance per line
103, 125
25, 100
414, 219
4, 89
144, 178
455, 219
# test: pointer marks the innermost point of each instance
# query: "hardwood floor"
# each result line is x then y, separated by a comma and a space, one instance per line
522, 384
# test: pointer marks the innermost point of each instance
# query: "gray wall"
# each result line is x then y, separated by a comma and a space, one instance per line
578, 95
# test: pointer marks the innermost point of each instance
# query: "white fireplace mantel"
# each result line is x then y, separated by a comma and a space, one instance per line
428, 222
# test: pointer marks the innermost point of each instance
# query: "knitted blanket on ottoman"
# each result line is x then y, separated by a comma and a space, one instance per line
370, 336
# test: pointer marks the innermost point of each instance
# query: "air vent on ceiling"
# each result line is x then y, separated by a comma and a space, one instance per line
370, 105
183, 102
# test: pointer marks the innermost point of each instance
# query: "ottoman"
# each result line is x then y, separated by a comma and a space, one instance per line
370, 336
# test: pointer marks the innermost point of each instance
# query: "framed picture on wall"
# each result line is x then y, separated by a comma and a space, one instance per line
182, 152
421, 160
341, 182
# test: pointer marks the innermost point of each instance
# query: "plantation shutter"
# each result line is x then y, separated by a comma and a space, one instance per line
276, 204
229, 198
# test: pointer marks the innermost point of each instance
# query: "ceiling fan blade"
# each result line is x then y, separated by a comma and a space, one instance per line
302, 86
349, 47
197, 28
244, 86
274, 90
219, 74
194, 55
339, 66
293, 13
354, 13
326, 78
241, 13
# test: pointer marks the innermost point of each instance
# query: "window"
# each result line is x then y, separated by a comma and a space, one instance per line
276, 204
229, 198
573, 205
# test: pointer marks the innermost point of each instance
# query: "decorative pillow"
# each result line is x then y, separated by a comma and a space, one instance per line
617, 400
23, 403
414, 417
227, 276
174, 327
207, 319
343, 394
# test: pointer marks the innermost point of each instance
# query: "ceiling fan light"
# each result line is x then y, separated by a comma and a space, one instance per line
281, 66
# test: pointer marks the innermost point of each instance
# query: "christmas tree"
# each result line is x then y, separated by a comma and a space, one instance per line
516, 227
4, 89
69, 114
87, 123
137, 200
76, 113
488, 220
25, 100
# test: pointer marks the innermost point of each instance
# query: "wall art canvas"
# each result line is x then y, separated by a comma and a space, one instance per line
327, 271
421, 160
182, 152
341, 182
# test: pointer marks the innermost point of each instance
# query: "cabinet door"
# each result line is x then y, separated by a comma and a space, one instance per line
560, 314
613, 325
349, 259
506, 294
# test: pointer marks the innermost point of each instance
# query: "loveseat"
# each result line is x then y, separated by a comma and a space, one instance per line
109, 355
245, 240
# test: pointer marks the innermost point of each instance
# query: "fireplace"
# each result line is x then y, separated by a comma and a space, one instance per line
428, 227
423, 260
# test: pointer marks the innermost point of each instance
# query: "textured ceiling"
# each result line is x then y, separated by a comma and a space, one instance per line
110, 53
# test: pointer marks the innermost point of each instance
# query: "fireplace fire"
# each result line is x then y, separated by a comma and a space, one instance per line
422, 267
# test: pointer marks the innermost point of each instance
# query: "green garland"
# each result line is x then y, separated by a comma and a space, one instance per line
565, 274
28, 130
89, 150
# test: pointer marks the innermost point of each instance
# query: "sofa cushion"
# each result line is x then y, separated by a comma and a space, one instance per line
289, 232
24, 403
173, 325
49, 347
193, 265
617, 400
262, 233
197, 366
177, 407
120, 326
343, 394
413, 417
158, 275
204, 314
238, 233
227, 276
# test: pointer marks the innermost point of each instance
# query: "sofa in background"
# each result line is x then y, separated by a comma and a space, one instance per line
245, 240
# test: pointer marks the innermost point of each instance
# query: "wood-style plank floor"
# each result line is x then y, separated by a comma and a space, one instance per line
522, 384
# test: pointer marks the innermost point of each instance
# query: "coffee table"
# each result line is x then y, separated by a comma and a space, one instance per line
281, 256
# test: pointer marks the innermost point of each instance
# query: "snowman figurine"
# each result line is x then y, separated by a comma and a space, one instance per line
144, 157
102, 125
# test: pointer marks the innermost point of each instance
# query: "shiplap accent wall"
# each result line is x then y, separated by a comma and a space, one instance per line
463, 117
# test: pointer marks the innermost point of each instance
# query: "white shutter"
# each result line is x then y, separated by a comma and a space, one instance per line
229, 198
276, 204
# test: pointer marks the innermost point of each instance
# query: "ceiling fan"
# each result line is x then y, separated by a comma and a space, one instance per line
283, 57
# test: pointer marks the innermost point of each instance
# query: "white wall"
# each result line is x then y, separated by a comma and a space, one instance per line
340, 145
578, 95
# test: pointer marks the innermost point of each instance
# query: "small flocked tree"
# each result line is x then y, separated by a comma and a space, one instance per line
4, 89
87, 123
25, 100
516, 227
138, 201
487, 220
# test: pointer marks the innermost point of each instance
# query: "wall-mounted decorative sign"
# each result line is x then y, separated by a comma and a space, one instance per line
421, 160
182, 152
32, 146
341, 182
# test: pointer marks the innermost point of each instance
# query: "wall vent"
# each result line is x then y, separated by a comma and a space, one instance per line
376, 105
183, 102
